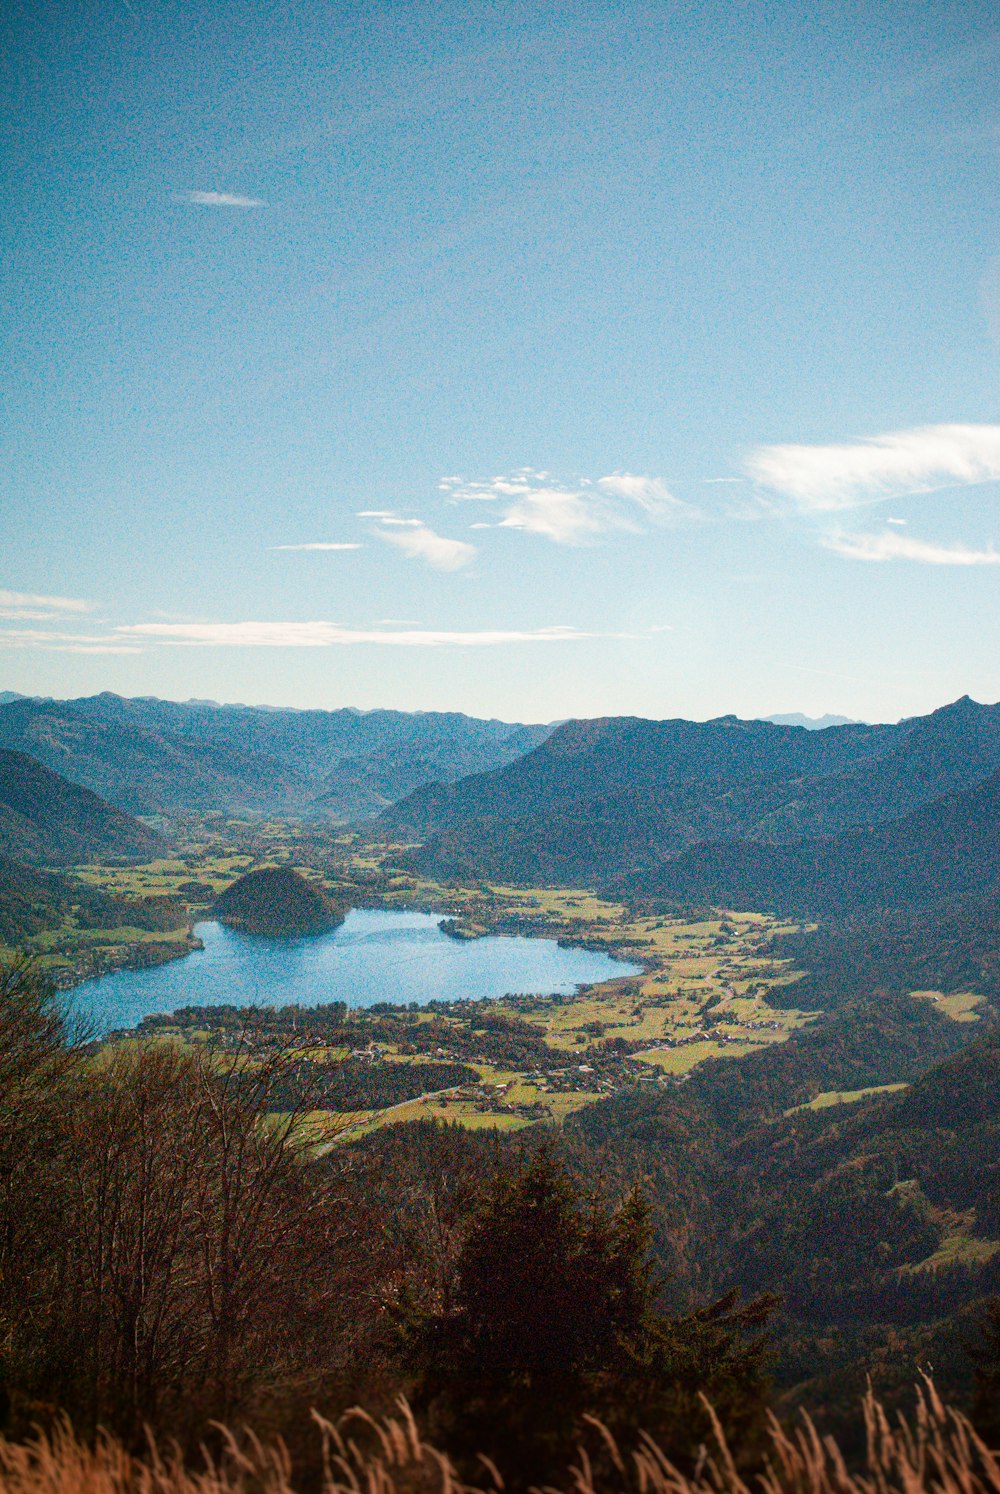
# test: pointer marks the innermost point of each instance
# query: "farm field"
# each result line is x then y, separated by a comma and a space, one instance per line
702, 992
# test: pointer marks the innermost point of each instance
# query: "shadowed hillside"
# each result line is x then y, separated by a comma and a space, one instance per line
33, 901
948, 849
46, 819
610, 802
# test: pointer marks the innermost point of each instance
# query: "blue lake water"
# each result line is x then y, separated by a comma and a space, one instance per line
372, 956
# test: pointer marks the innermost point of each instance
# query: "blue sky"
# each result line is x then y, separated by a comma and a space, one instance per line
529, 360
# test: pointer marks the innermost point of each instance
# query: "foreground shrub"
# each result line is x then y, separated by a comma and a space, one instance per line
167, 1253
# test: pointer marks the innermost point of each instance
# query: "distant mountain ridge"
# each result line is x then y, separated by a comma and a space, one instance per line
154, 756
692, 807
46, 820
811, 723
651, 760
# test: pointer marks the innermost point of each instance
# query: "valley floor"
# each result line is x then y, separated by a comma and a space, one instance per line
708, 985
703, 992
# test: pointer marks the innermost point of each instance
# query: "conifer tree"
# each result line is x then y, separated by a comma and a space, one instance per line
556, 1318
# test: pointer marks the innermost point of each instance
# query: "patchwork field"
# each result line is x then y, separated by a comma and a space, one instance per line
702, 991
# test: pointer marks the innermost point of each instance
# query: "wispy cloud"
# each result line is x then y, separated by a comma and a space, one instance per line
66, 643
220, 200
333, 635
27, 605
826, 478
891, 545
323, 545
417, 540
572, 513
647, 494
26, 614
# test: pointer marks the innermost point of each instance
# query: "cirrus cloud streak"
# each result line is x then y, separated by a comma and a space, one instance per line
321, 634
323, 545
220, 200
29, 606
819, 479
66, 643
891, 545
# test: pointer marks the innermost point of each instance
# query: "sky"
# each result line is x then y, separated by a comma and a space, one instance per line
531, 360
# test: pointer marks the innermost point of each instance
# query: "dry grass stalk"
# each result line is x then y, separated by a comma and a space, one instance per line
935, 1452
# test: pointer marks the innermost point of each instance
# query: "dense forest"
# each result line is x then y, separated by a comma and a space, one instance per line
276, 900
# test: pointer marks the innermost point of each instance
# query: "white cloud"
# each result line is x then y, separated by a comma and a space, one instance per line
27, 604
27, 614
826, 478
892, 546
66, 643
221, 199
648, 494
565, 517
572, 514
415, 539
330, 635
322, 545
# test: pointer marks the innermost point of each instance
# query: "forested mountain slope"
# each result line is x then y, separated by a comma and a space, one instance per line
606, 801
33, 901
599, 760
876, 1222
158, 756
952, 947
948, 849
682, 1139
47, 820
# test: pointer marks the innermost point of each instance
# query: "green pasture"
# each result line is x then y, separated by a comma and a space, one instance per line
702, 981
960, 1006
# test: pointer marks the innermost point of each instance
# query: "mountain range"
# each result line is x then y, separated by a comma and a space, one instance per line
814, 723
161, 757
755, 814
746, 812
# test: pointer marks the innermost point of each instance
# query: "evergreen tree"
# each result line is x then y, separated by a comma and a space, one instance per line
556, 1318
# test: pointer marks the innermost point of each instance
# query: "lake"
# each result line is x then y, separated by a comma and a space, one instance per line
372, 956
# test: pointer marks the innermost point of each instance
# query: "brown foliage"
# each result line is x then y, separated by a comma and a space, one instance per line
166, 1254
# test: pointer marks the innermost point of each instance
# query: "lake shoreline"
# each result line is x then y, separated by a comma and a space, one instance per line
134, 955
377, 956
